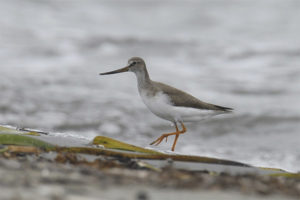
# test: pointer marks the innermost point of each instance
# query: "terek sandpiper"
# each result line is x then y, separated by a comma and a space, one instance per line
168, 102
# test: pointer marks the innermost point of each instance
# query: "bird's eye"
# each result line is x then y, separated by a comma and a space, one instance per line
133, 63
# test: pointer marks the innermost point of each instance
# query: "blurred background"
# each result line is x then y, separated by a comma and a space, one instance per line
240, 54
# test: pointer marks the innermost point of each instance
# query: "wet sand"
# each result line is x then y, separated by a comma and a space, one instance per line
70, 176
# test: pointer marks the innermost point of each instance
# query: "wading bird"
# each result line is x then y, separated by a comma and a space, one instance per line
168, 102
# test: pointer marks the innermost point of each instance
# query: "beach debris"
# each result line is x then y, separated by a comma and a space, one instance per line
31, 131
13, 130
124, 164
127, 155
22, 140
110, 143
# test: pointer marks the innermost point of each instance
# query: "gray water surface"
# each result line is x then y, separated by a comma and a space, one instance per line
240, 54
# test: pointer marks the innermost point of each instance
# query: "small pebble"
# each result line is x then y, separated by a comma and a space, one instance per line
142, 195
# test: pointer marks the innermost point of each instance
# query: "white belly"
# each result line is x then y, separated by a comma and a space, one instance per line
162, 107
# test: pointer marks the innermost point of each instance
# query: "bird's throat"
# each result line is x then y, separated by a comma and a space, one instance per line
143, 79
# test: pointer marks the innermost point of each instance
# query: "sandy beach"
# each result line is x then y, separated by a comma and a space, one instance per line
69, 176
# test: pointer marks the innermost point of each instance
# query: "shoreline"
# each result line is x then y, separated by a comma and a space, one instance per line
66, 176
33, 166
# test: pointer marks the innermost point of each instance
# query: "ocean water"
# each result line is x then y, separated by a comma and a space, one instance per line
239, 54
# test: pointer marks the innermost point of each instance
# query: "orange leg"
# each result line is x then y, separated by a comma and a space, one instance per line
160, 139
177, 135
166, 135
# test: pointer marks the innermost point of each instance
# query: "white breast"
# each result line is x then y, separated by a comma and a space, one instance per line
161, 106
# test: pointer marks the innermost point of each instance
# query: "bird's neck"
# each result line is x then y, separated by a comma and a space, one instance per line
143, 79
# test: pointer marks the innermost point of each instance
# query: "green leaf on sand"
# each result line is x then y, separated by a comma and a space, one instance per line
15, 139
115, 144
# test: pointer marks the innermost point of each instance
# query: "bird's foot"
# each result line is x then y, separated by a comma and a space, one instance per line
160, 139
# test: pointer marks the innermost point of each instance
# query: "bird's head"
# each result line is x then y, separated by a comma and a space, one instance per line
135, 64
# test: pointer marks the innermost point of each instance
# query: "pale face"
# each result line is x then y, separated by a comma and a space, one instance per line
136, 65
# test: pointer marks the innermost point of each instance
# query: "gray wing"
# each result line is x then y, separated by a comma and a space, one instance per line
183, 99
